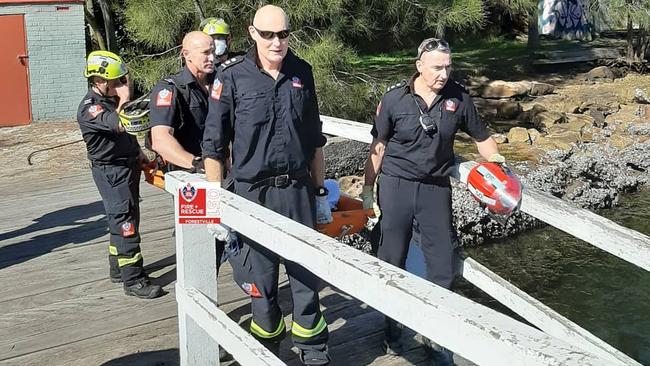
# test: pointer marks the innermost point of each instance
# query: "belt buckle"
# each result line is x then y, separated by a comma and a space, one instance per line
281, 181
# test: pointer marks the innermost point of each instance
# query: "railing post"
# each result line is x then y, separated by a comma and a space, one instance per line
196, 268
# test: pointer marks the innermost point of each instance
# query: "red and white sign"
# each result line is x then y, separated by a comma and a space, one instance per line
217, 87
95, 110
199, 203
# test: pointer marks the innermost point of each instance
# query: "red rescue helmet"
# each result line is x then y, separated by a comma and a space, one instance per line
495, 186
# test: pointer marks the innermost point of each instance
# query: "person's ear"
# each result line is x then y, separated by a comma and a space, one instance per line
418, 65
251, 32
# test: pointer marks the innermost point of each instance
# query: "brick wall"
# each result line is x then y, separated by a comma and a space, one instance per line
56, 45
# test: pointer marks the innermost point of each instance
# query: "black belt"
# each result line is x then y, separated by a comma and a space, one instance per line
119, 162
278, 181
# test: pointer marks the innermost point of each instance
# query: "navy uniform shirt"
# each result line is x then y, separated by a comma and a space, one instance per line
274, 125
410, 152
180, 102
99, 121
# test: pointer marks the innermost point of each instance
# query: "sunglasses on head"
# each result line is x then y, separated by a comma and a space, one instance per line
434, 44
268, 35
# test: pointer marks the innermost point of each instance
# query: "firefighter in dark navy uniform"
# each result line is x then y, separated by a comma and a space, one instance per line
413, 153
116, 161
264, 104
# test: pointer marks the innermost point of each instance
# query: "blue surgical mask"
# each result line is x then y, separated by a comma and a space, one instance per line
220, 47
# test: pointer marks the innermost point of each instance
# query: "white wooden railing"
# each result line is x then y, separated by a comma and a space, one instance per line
473, 331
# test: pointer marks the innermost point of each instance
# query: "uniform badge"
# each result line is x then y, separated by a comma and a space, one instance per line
188, 192
95, 110
296, 83
450, 105
128, 229
378, 109
251, 289
164, 98
217, 87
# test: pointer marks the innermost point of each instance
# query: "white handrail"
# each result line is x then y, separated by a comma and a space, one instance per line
477, 333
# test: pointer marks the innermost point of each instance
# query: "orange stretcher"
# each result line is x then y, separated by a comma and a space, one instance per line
154, 176
349, 217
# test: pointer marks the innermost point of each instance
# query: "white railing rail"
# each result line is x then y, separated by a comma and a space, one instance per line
475, 332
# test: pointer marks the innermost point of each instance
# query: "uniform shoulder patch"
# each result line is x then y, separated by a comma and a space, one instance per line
232, 61
164, 98
95, 110
401, 84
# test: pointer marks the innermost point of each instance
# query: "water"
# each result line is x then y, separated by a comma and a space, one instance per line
603, 294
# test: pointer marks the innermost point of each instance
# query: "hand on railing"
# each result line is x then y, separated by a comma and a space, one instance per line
221, 232
323, 210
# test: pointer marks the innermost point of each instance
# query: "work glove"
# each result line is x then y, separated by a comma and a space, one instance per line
222, 232
323, 211
369, 201
197, 165
497, 158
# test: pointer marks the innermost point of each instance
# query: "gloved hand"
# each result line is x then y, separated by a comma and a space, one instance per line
221, 232
197, 165
369, 200
497, 158
323, 211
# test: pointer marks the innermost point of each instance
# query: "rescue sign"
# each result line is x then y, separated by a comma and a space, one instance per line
199, 203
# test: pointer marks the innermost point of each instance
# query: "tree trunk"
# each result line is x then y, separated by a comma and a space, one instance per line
199, 9
95, 33
533, 30
109, 28
630, 41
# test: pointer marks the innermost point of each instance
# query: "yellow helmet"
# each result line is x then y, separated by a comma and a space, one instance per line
105, 64
212, 26
134, 117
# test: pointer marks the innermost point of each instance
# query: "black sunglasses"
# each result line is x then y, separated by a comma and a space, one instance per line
434, 44
268, 35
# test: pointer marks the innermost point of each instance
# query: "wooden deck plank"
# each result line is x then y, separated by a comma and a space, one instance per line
58, 307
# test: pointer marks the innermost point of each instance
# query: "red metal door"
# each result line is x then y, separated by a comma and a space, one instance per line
14, 89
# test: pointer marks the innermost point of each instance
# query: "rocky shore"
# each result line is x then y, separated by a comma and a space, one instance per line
586, 142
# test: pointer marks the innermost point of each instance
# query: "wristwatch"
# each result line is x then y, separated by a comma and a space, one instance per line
322, 191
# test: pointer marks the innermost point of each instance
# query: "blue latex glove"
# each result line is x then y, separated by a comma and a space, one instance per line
323, 211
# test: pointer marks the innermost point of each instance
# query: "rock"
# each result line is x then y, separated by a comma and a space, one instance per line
639, 129
545, 120
500, 138
344, 157
589, 134
598, 117
620, 141
534, 134
508, 109
504, 89
600, 72
577, 122
528, 115
607, 108
538, 88
518, 135
640, 96
559, 139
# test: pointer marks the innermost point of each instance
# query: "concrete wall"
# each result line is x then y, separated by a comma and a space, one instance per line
56, 45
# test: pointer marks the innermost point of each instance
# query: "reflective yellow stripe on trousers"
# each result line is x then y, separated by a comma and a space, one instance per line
112, 249
299, 331
258, 331
126, 261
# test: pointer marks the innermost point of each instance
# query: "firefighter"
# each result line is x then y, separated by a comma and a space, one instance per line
412, 151
116, 161
264, 104
219, 30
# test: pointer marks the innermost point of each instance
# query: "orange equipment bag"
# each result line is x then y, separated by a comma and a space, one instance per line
349, 218
153, 175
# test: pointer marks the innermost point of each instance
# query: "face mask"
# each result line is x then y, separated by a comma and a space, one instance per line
220, 47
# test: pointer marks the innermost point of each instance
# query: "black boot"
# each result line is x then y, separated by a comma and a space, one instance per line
114, 273
438, 355
143, 289
392, 337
